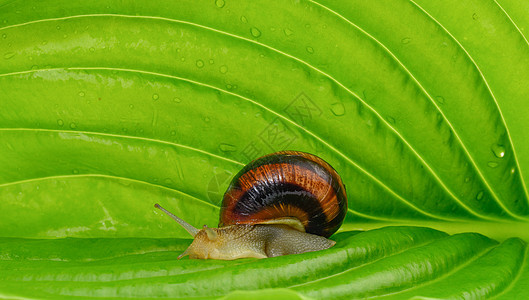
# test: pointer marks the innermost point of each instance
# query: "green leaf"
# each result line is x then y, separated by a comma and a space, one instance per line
107, 108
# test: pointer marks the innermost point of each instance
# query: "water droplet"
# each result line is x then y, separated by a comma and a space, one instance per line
58, 27
492, 164
405, 40
9, 55
391, 120
288, 32
498, 150
227, 147
229, 86
513, 170
177, 100
475, 16
131, 106
338, 109
440, 99
255, 32
243, 19
92, 49
75, 171
211, 61
439, 117
183, 59
81, 94
467, 179
200, 64
220, 3
4, 36
44, 43
60, 122
173, 132
155, 97
73, 125
479, 196
223, 69
310, 50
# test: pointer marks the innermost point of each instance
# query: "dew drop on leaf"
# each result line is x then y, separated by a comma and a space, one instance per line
155, 97
243, 19
211, 61
4, 36
498, 150
227, 147
9, 55
255, 32
60, 122
200, 64
479, 196
92, 49
338, 109
288, 32
81, 94
440, 100
75, 171
513, 170
391, 120
310, 50
223, 69
467, 179
131, 106
492, 164
177, 100
220, 3
405, 40
73, 125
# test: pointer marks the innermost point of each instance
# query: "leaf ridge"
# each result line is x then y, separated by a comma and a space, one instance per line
369, 262
407, 71
512, 21
115, 135
456, 269
516, 278
70, 176
495, 196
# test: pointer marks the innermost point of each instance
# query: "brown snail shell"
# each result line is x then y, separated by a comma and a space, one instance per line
285, 185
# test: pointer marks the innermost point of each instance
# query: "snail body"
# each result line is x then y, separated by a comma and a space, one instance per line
283, 203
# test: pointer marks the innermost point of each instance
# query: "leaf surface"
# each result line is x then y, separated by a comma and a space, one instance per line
107, 108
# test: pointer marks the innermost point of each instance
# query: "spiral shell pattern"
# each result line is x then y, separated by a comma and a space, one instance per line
287, 184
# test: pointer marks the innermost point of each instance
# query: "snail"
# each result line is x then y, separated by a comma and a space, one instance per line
287, 202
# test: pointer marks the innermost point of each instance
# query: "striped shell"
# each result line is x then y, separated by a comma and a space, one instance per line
287, 184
